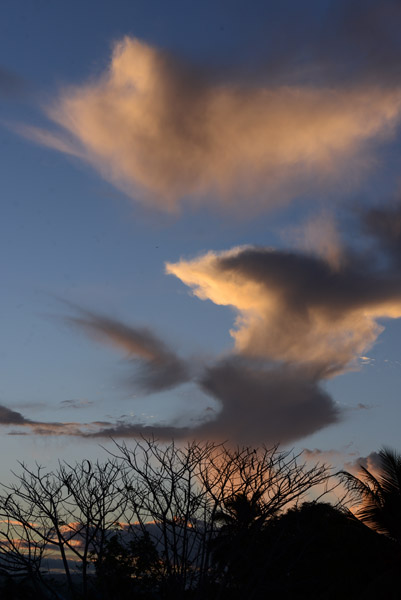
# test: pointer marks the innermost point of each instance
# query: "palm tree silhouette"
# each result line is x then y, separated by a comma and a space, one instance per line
241, 523
242, 512
380, 494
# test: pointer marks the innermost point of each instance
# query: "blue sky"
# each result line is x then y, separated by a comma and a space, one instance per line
189, 130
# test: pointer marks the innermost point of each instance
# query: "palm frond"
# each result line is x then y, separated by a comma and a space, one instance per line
390, 470
379, 495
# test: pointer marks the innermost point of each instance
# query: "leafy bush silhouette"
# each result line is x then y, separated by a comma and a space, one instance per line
322, 551
126, 568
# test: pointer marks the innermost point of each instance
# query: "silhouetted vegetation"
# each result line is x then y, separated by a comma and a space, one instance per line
204, 521
379, 495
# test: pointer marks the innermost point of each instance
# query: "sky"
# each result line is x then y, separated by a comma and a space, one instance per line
200, 225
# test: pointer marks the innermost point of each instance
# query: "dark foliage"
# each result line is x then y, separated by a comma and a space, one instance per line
198, 523
319, 551
125, 569
312, 551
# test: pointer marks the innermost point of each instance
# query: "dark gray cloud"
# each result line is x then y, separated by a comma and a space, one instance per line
362, 41
159, 367
384, 224
339, 42
266, 403
135, 430
76, 403
305, 282
11, 417
300, 319
258, 404
362, 406
100, 429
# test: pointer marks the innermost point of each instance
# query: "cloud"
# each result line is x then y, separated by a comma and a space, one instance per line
76, 403
266, 403
160, 368
294, 307
11, 417
333, 458
258, 405
135, 430
300, 319
163, 132
384, 224
318, 235
345, 42
258, 402
361, 40
103, 429
372, 462
319, 454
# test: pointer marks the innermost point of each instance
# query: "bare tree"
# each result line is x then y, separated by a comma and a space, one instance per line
166, 500
182, 491
63, 514
166, 497
21, 552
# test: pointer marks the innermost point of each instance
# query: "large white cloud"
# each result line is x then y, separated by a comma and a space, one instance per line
161, 131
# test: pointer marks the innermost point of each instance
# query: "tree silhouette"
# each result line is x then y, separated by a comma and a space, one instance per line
169, 502
380, 494
240, 520
238, 542
318, 550
128, 568
65, 513
242, 512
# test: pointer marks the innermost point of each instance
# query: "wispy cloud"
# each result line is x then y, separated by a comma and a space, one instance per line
300, 319
9, 417
259, 401
76, 403
319, 236
159, 367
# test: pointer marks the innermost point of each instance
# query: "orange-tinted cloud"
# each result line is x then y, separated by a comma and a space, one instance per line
372, 462
293, 307
301, 318
163, 132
